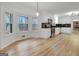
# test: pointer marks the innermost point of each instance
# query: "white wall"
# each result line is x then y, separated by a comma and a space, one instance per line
76, 18
0, 25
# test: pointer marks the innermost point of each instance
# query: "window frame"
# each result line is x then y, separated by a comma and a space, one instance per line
26, 22
36, 23
10, 24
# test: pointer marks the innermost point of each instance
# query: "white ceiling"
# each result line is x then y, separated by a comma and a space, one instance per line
47, 7
55, 7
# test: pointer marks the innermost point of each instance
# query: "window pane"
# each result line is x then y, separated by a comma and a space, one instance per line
7, 19
34, 23
7, 28
8, 23
23, 23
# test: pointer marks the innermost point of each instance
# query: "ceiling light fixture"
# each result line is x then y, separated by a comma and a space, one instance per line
72, 13
37, 12
69, 13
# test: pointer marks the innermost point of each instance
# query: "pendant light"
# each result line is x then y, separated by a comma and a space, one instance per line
37, 12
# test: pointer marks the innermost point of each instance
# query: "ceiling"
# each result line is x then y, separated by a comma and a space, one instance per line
54, 7
47, 7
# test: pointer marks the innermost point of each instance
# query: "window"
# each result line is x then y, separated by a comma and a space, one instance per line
34, 23
23, 23
8, 22
56, 19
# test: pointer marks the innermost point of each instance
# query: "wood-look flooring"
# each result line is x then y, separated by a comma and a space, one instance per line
61, 45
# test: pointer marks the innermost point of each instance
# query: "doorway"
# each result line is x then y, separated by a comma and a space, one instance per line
76, 25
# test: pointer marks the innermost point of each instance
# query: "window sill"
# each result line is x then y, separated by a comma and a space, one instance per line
24, 31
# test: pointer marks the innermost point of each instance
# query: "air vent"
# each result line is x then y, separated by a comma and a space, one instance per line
23, 35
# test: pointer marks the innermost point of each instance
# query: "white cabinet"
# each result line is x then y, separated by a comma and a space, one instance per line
45, 33
57, 31
66, 30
